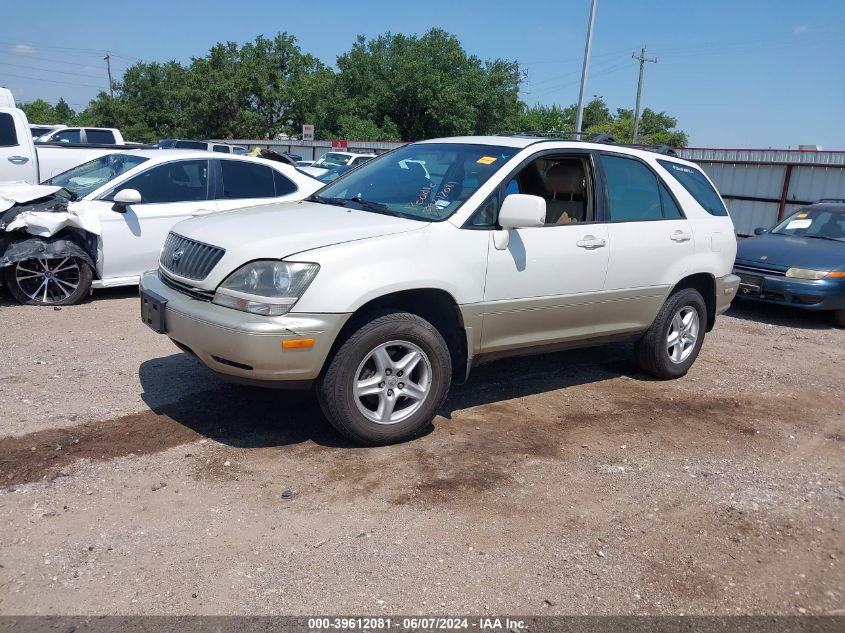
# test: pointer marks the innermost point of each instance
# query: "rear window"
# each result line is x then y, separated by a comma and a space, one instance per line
246, 180
105, 137
191, 145
221, 148
697, 185
8, 136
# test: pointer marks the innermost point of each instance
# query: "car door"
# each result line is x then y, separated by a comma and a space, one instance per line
650, 239
542, 288
17, 152
170, 192
244, 183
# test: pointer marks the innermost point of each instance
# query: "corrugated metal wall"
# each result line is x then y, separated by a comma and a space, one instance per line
762, 186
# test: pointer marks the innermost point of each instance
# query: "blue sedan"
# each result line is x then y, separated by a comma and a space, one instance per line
800, 262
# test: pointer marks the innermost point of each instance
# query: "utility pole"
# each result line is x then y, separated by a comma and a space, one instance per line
642, 59
108, 66
579, 117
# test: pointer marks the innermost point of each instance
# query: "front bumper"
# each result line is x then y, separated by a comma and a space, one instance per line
809, 294
726, 288
246, 347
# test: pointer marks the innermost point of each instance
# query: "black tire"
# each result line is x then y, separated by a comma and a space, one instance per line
652, 350
75, 285
335, 387
839, 318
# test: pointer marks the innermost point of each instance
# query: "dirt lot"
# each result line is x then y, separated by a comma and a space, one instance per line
133, 481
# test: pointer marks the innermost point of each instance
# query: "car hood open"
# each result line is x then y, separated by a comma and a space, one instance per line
281, 230
792, 251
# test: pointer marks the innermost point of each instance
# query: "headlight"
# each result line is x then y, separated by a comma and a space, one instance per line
267, 287
804, 273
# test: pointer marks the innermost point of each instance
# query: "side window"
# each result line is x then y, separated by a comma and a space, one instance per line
632, 189
246, 180
67, 136
697, 185
181, 181
670, 208
191, 145
221, 148
105, 137
284, 186
8, 136
487, 214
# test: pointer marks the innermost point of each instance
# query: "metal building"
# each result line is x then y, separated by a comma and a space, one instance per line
762, 186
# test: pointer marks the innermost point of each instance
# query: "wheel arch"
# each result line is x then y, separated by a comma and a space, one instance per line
435, 305
705, 283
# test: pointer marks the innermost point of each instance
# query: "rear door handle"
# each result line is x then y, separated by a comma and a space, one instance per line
202, 212
680, 236
18, 160
590, 242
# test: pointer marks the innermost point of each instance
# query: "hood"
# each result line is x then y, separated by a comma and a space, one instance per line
280, 230
12, 193
792, 251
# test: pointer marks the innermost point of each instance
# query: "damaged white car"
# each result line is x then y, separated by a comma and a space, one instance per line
102, 223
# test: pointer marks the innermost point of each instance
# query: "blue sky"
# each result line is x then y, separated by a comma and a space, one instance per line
736, 73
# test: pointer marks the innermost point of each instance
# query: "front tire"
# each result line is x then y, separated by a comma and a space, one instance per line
387, 381
670, 346
58, 281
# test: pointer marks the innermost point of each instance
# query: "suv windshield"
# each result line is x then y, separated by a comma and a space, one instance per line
425, 181
85, 178
828, 224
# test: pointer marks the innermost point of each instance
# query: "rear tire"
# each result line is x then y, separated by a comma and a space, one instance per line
839, 318
387, 381
670, 346
58, 281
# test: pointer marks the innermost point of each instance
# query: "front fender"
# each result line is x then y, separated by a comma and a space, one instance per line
35, 247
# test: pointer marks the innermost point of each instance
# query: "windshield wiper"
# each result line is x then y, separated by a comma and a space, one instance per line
369, 205
338, 202
823, 237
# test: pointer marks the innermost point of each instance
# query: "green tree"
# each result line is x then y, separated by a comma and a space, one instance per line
64, 113
427, 86
39, 111
656, 128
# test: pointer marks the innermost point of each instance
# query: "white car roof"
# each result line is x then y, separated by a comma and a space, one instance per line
521, 142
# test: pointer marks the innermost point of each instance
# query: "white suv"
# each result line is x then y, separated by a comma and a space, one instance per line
395, 279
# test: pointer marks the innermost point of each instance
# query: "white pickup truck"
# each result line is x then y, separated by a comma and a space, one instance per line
22, 160
84, 136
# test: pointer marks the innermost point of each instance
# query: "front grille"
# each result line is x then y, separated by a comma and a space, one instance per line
759, 270
188, 258
185, 289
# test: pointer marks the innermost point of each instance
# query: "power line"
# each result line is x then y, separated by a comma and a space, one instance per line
47, 70
642, 59
52, 81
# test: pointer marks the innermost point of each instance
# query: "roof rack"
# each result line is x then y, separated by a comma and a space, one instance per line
591, 137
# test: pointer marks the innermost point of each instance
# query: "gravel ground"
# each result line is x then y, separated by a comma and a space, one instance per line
134, 481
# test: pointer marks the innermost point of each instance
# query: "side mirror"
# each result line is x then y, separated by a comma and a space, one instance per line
125, 197
760, 230
519, 211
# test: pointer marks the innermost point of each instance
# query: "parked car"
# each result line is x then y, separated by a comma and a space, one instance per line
211, 146
83, 136
331, 160
38, 130
385, 286
102, 223
799, 262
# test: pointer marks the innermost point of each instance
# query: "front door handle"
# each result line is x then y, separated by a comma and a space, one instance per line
680, 236
18, 160
202, 212
591, 242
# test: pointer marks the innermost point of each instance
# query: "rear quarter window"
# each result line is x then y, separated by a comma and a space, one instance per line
697, 185
8, 136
